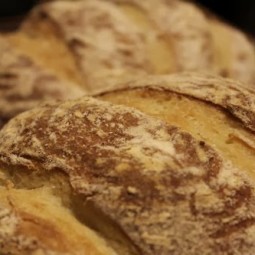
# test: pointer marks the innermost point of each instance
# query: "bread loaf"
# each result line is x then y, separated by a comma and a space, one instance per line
98, 42
146, 186
218, 111
24, 84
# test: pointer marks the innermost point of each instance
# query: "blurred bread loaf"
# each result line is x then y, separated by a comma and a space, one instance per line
170, 181
233, 53
24, 84
99, 42
35, 222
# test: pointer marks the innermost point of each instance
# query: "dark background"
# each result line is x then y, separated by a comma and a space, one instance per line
240, 13
15, 7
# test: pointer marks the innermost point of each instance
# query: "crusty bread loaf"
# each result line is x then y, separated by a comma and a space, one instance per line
24, 84
218, 111
146, 186
97, 42
233, 53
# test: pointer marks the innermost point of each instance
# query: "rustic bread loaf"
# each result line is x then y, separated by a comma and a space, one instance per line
24, 84
147, 187
97, 42
35, 222
218, 111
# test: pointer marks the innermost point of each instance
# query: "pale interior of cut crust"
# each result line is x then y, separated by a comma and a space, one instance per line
42, 44
205, 121
159, 48
93, 217
42, 217
95, 230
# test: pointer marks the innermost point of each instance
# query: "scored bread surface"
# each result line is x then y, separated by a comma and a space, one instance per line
216, 110
227, 93
148, 187
103, 41
122, 38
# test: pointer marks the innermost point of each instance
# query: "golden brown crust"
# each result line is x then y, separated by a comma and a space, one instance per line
51, 54
34, 222
229, 94
24, 84
167, 191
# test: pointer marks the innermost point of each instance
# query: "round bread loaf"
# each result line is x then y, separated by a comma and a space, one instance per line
147, 187
97, 42
24, 84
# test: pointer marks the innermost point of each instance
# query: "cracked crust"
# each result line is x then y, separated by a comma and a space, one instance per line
168, 192
24, 84
231, 95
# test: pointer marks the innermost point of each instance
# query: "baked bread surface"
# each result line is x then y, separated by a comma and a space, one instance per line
24, 84
215, 110
148, 187
105, 41
233, 53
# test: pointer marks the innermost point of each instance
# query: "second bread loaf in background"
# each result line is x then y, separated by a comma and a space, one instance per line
217, 111
95, 43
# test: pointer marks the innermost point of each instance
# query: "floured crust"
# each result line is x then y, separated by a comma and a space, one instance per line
117, 46
24, 84
34, 222
226, 93
105, 43
200, 42
185, 26
168, 192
